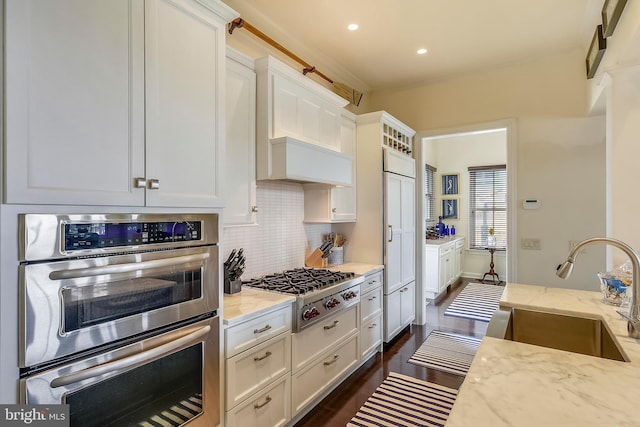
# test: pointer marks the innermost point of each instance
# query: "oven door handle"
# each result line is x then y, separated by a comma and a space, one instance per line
125, 268
121, 365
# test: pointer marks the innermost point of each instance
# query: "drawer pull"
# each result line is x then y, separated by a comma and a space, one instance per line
335, 359
373, 325
260, 405
259, 331
257, 359
335, 323
372, 298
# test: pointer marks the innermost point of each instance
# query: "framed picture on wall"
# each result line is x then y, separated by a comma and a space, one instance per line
449, 208
450, 183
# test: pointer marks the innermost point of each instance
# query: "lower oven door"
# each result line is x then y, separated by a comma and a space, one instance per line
169, 380
75, 305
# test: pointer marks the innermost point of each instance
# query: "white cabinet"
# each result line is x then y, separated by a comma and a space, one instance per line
334, 204
258, 370
443, 265
371, 314
106, 106
240, 148
400, 310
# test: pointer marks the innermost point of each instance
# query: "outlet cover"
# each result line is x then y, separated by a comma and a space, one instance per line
530, 244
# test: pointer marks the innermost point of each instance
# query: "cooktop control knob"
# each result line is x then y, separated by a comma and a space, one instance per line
349, 295
310, 313
331, 302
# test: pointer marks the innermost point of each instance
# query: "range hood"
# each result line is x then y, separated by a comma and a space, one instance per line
298, 161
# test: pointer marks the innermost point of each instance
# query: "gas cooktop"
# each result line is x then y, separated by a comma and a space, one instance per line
299, 281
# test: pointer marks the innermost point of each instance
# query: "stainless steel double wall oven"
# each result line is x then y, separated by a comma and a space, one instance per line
119, 317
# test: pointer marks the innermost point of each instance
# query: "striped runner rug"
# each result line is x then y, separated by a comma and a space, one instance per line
476, 301
405, 401
446, 352
177, 414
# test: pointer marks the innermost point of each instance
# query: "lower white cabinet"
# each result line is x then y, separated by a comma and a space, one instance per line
443, 265
400, 310
258, 370
371, 302
271, 407
320, 374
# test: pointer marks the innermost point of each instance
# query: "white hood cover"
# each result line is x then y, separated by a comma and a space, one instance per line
295, 160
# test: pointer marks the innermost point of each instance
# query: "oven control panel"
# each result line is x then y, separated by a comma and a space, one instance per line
98, 235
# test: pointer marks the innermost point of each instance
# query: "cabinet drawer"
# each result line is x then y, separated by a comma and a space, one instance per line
371, 282
252, 369
241, 337
269, 408
310, 342
312, 382
370, 304
371, 335
459, 243
447, 249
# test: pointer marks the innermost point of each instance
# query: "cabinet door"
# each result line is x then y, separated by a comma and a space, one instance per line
400, 229
343, 199
184, 45
240, 145
74, 93
392, 315
407, 304
393, 232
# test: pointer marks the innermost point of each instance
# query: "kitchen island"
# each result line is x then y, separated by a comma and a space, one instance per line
512, 384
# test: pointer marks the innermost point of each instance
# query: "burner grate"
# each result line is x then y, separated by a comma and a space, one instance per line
298, 281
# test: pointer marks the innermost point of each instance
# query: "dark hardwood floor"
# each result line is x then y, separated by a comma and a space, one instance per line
340, 406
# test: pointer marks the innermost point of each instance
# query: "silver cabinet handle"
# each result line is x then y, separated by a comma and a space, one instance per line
334, 210
261, 330
260, 405
254, 209
139, 182
373, 325
390, 233
120, 365
331, 362
258, 359
372, 298
125, 268
335, 323
154, 184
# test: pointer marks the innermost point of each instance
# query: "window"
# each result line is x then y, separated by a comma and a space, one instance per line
487, 205
429, 193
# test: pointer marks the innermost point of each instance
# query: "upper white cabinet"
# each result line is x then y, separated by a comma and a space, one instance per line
334, 204
116, 102
299, 128
240, 149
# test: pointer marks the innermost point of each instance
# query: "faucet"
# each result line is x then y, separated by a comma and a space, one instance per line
633, 317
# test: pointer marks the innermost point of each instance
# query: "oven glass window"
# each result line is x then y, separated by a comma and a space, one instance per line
165, 392
103, 302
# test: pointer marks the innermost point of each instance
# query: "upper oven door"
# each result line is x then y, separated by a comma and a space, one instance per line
74, 305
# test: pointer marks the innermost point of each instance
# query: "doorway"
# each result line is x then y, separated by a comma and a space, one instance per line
452, 151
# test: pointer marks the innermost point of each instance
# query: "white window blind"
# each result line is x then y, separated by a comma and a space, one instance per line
487, 205
429, 193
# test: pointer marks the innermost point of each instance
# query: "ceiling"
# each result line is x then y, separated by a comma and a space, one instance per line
461, 36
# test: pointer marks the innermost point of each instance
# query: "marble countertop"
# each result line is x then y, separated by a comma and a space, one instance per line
249, 303
357, 267
512, 384
443, 241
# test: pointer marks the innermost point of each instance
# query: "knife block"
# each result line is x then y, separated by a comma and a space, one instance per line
315, 259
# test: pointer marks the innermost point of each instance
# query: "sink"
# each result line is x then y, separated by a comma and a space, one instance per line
563, 332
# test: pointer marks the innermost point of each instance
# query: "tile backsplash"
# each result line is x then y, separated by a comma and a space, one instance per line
280, 240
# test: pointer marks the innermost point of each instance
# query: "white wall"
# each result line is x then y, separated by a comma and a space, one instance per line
555, 142
454, 155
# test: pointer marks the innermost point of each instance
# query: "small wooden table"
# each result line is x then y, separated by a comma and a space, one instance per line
491, 271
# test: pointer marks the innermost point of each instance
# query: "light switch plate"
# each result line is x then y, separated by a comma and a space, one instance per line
530, 244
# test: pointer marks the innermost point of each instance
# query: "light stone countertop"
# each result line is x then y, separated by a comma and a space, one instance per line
512, 384
356, 267
443, 241
250, 303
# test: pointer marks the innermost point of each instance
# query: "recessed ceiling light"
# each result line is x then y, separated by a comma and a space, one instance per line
352, 27
422, 51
